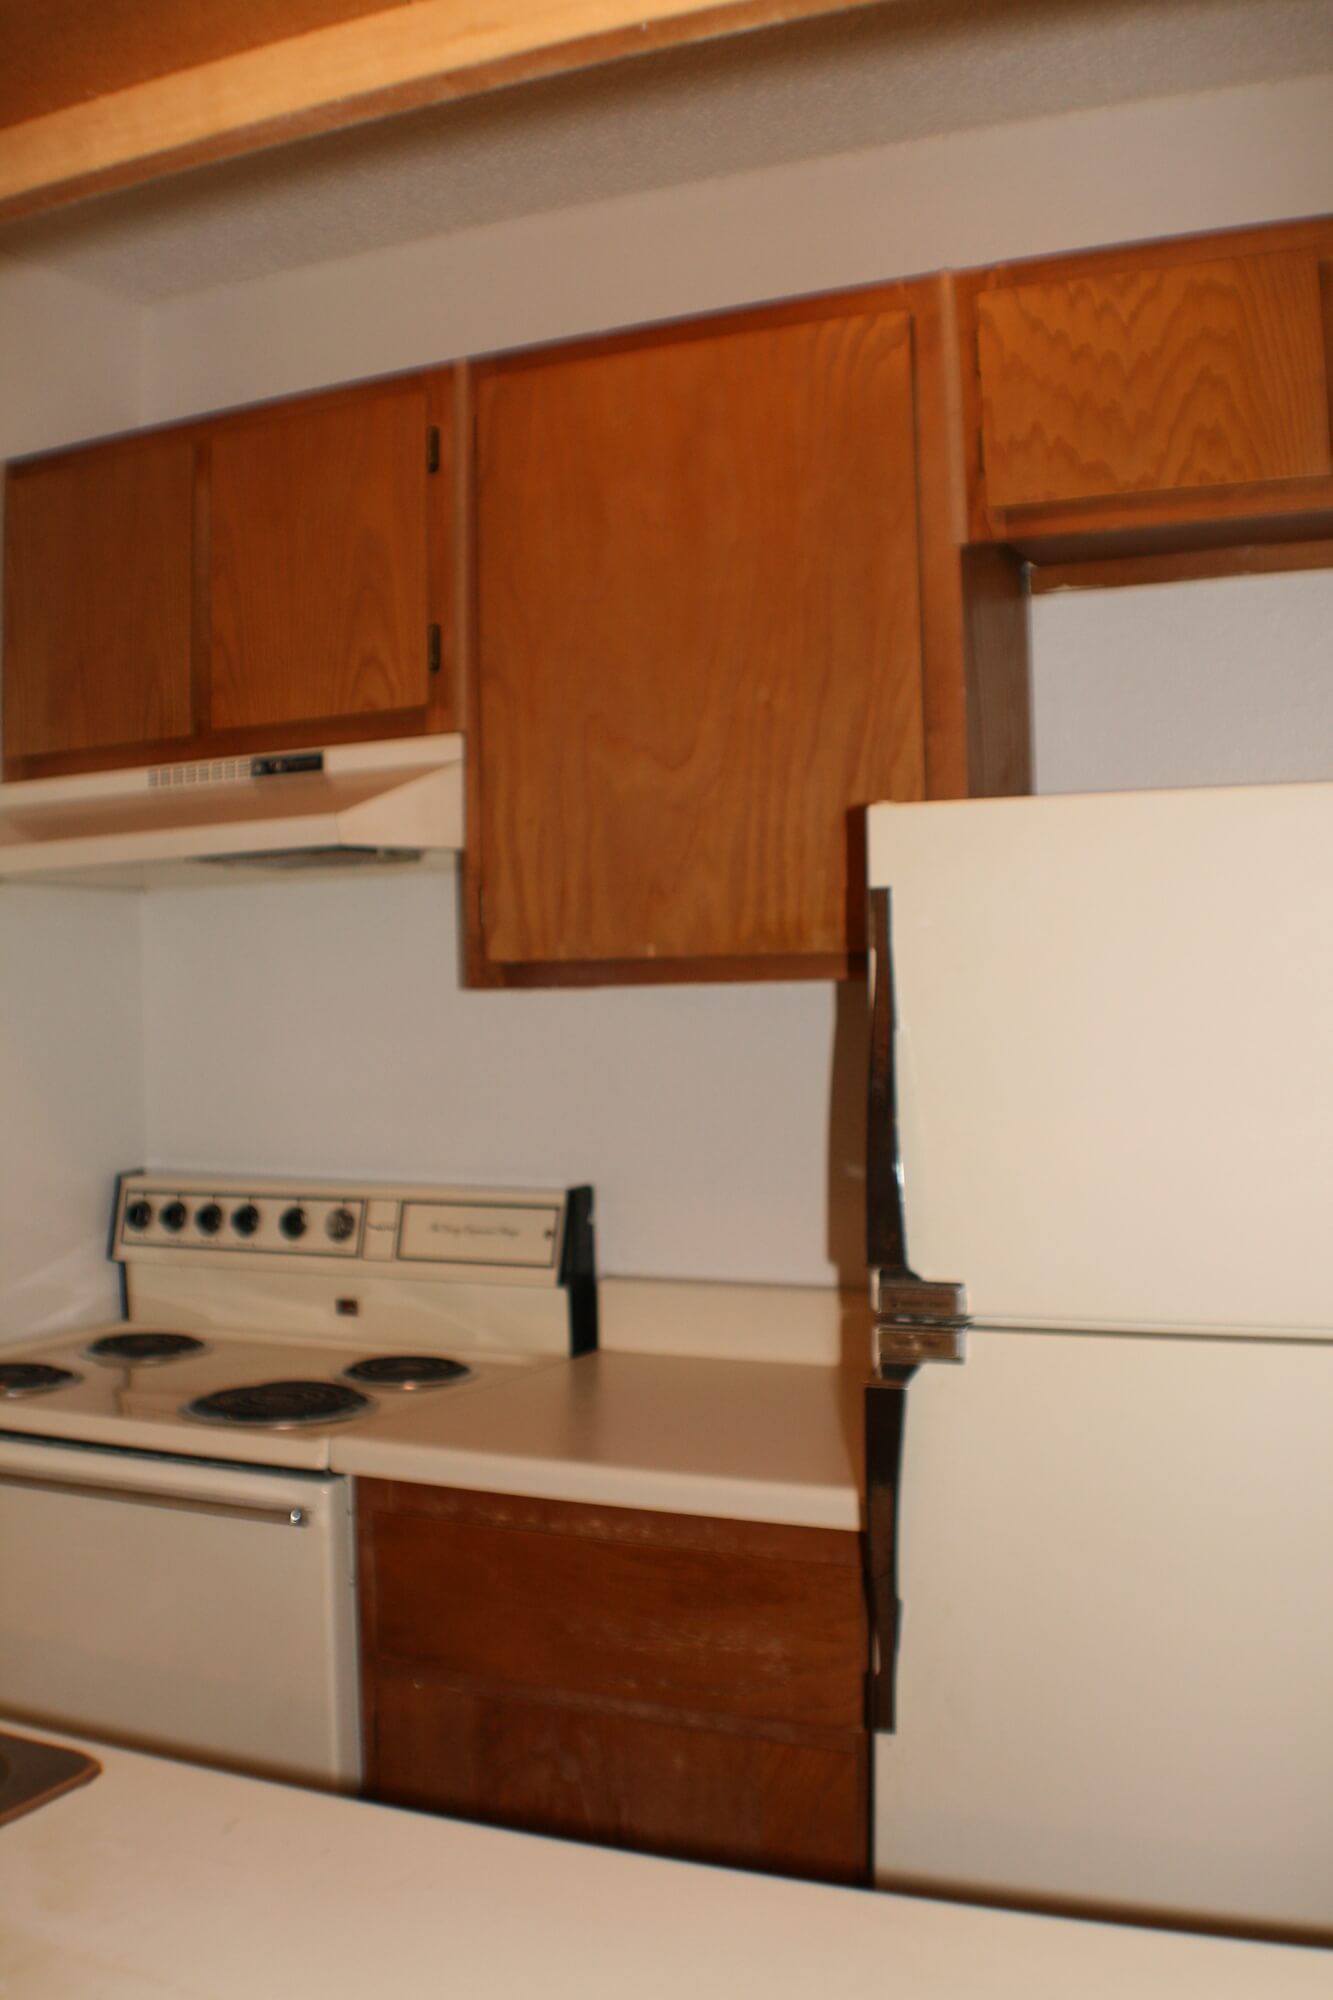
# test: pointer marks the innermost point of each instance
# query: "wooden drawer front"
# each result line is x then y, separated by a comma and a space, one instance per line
674, 1628
1147, 381
99, 553
698, 638
699, 1794
319, 565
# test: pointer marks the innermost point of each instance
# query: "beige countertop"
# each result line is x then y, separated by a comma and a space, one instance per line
744, 1440
162, 1881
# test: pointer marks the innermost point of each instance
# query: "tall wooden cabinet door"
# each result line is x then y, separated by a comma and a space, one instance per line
98, 573
318, 595
698, 638
1153, 380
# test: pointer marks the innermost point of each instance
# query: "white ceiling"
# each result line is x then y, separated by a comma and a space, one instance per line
900, 70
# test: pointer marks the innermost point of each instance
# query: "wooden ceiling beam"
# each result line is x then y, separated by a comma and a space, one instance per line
348, 72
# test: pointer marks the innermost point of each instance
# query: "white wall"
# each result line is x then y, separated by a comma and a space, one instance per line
70, 360
71, 1059
321, 1028
71, 1098
1162, 168
1211, 683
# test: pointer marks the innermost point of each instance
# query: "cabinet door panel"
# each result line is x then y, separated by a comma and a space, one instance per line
698, 638
98, 598
319, 560
626, 1781
1145, 381
685, 1629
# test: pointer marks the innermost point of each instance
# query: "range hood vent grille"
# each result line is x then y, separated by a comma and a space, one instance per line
220, 771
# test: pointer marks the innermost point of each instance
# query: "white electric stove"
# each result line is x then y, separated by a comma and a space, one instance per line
177, 1561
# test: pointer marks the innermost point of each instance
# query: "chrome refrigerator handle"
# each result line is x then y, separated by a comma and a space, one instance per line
916, 1320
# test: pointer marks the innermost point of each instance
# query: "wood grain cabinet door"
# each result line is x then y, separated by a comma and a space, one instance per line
98, 595
318, 573
698, 640
1153, 380
676, 1684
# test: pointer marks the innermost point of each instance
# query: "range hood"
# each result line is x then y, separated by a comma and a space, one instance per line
227, 819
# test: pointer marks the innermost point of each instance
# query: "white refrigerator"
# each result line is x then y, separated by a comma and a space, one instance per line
1101, 1170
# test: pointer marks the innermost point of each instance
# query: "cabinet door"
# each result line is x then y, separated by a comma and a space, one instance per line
98, 568
319, 559
698, 638
670, 1683
1153, 380
624, 1779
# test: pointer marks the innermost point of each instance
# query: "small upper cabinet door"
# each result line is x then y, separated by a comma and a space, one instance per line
699, 644
1153, 380
318, 599
98, 556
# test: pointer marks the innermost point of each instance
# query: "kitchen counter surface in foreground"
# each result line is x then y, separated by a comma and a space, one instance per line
737, 1440
162, 1879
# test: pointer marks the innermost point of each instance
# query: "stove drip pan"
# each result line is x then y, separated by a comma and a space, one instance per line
143, 1348
33, 1378
407, 1371
279, 1406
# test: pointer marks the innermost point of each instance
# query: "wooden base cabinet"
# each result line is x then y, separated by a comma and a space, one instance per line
675, 1685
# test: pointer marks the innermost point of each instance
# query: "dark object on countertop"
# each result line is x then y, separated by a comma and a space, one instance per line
33, 1773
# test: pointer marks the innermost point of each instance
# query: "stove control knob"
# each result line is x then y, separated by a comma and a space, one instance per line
209, 1218
245, 1220
138, 1214
340, 1224
173, 1216
292, 1223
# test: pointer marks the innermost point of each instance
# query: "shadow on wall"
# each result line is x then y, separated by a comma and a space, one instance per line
847, 1133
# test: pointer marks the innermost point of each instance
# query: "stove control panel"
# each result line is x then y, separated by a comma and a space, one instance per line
164, 1216
474, 1235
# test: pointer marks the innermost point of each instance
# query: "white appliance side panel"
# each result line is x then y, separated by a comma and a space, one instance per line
172, 1628
1117, 1644
1115, 1053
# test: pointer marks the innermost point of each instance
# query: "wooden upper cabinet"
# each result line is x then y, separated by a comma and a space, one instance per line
266, 580
698, 640
98, 568
1153, 380
318, 566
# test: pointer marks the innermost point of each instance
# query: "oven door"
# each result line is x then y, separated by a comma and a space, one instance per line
201, 1609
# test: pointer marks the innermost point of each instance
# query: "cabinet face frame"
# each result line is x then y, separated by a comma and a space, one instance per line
1147, 522
943, 634
441, 711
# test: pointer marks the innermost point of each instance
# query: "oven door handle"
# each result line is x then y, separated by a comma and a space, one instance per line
178, 1503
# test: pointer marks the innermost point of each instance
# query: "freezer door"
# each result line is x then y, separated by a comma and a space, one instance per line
1114, 1054
1117, 1636
178, 1605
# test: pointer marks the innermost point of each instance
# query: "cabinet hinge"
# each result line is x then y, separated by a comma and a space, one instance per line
434, 648
433, 448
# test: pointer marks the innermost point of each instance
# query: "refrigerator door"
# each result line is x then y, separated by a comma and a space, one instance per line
1117, 1639
1114, 1054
